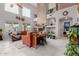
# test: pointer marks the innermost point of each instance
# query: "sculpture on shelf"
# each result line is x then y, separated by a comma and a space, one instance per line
51, 24
20, 18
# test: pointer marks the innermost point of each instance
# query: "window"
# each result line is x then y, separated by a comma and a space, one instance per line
52, 5
13, 8
26, 12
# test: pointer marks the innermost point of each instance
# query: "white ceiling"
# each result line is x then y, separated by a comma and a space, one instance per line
34, 4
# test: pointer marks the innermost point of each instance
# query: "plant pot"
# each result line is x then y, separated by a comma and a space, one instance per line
54, 37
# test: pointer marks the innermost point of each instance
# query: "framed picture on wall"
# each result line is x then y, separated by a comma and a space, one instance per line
66, 25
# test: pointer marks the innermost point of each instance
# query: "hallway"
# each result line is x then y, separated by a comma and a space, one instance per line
53, 48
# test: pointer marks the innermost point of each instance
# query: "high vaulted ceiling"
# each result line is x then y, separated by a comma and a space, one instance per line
34, 4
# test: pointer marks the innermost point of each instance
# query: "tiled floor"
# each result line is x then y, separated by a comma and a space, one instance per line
53, 48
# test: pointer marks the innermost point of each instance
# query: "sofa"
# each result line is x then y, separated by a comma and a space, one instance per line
32, 39
26, 38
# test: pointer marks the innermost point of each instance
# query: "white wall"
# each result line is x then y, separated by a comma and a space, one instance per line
10, 17
59, 14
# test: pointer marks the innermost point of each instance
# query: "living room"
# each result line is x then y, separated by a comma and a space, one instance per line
33, 29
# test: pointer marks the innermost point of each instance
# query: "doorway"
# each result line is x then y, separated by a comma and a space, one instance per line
9, 27
64, 24
6, 31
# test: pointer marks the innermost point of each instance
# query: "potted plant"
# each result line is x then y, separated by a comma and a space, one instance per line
72, 48
0, 30
1, 34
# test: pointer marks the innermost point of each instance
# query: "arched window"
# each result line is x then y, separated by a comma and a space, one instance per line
13, 8
26, 12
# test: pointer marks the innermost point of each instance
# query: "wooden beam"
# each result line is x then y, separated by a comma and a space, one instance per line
78, 7
20, 5
57, 6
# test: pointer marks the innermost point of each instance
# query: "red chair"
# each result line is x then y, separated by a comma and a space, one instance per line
26, 39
